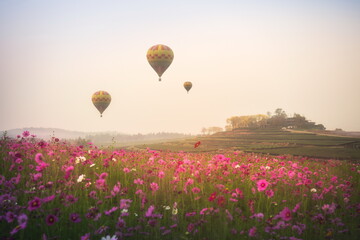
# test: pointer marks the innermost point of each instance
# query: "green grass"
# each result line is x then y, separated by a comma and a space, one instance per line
271, 141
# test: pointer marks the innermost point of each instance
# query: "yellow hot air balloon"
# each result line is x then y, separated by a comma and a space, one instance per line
187, 86
160, 57
101, 100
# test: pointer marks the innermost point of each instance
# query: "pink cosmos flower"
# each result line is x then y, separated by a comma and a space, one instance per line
22, 220
334, 179
297, 206
154, 186
262, 185
116, 189
190, 214
18, 160
41, 166
228, 215
202, 212
291, 174
269, 193
258, 216
109, 212
319, 184
329, 209
161, 174
103, 175
189, 181
150, 211
92, 195
10, 217
39, 158
68, 171
221, 201
138, 181
239, 193
16, 229
75, 217
190, 227
252, 232
125, 203
101, 184
48, 199
212, 197
195, 190
121, 223
285, 214
85, 237
26, 133
70, 199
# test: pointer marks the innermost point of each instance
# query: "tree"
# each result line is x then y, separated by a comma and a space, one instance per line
299, 121
213, 130
203, 131
279, 119
233, 122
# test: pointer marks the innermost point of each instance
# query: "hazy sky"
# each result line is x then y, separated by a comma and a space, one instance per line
243, 57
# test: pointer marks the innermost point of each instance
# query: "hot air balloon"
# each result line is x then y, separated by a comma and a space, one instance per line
187, 86
160, 57
101, 100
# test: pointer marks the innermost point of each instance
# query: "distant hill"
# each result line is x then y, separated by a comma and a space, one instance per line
47, 133
99, 138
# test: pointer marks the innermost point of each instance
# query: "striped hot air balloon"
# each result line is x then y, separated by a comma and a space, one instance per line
101, 100
160, 57
187, 86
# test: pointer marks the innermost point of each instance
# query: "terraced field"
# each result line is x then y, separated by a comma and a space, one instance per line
269, 141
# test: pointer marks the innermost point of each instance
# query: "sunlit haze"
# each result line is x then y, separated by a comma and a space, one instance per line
242, 57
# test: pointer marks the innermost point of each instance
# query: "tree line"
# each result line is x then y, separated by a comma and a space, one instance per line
279, 119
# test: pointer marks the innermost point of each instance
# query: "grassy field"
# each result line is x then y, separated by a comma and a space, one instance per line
268, 141
57, 190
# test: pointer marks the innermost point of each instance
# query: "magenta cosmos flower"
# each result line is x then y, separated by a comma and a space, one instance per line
74, 217
51, 219
34, 204
262, 185
26, 133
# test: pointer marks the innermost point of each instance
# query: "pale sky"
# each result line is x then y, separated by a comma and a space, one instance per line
243, 57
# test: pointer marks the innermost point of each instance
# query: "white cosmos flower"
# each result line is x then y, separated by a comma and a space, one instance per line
80, 159
313, 190
81, 178
108, 237
92, 165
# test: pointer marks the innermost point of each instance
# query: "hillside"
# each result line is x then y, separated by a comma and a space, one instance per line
46, 133
99, 138
270, 141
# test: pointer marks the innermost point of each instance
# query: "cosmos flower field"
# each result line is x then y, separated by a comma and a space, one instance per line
56, 190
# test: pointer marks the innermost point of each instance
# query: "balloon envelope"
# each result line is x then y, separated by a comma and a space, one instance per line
160, 57
187, 86
101, 100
